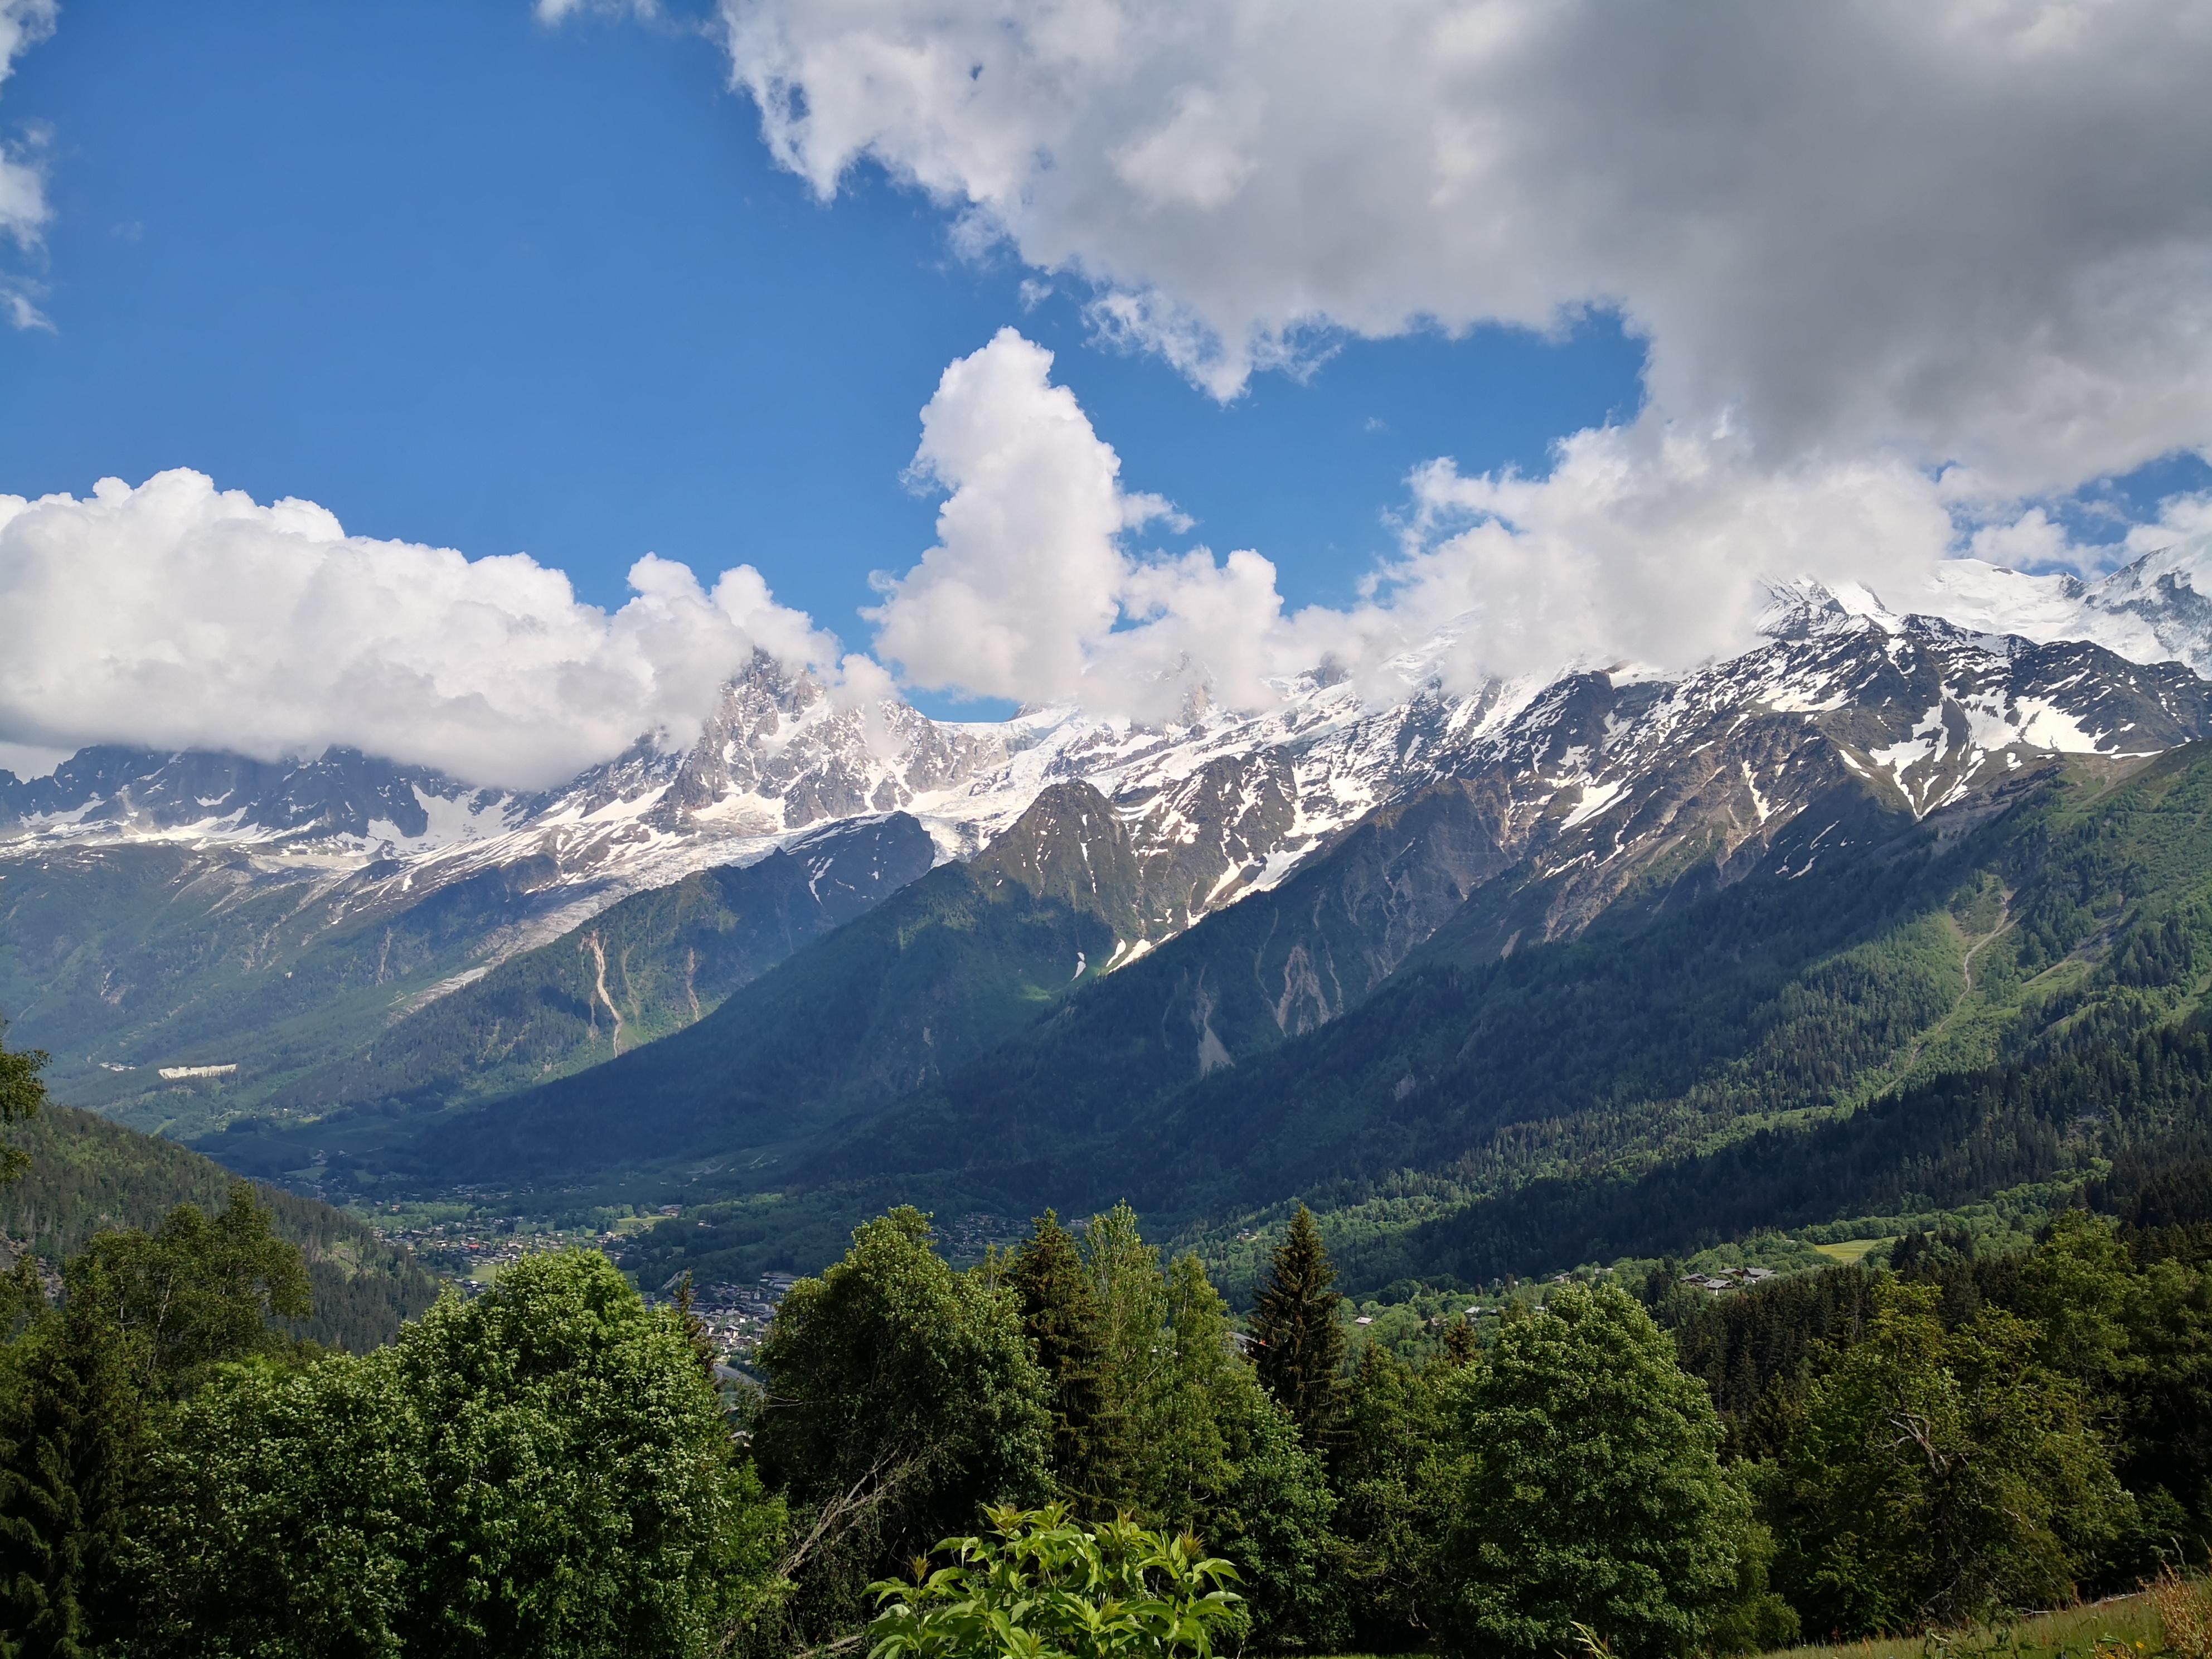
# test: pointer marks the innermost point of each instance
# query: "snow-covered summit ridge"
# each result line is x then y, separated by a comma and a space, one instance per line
1929, 699
1221, 804
2155, 609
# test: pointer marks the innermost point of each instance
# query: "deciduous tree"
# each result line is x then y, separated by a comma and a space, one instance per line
1590, 1488
199, 1291
1940, 1475
901, 1395
543, 1471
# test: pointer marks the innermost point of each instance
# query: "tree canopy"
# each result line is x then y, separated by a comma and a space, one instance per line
1940, 1475
901, 1396
1590, 1487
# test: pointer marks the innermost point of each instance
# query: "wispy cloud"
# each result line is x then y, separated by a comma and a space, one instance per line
25, 211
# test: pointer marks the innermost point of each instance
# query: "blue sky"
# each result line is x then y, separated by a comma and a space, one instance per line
1596, 318
467, 279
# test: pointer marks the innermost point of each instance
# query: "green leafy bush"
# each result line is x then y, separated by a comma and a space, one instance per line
1044, 1588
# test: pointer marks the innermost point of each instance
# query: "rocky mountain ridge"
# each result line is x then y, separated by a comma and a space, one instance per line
969, 1011
385, 888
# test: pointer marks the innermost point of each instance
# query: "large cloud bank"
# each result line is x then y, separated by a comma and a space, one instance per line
1978, 231
175, 615
1904, 268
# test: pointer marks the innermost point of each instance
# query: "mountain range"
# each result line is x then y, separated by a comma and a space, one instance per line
1411, 952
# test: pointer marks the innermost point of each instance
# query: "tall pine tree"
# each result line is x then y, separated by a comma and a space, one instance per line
1295, 1321
71, 1443
1059, 1316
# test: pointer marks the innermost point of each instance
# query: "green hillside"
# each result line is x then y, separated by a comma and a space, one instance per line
87, 1174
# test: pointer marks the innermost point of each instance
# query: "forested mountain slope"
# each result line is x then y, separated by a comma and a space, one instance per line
193, 910
87, 1174
1404, 960
1921, 1031
167, 911
1598, 806
1468, 1027
1961, 1007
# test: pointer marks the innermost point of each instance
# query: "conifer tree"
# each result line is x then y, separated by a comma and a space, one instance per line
1059, 1316
72, 1439
1295, 1321
1460, 1345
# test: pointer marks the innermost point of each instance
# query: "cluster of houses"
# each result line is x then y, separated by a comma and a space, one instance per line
1727, 1278
736, 1316
472, 1253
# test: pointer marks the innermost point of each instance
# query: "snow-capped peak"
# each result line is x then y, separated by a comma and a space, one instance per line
2151, 610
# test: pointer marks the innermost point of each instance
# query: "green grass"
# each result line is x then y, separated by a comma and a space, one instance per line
1851, 1252
2127, 1622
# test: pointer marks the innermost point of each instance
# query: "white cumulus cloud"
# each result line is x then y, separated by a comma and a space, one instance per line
1974, 231
1651, 544
177, 615
1030, 592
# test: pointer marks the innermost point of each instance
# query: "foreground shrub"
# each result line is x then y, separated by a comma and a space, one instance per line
1044, 1585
